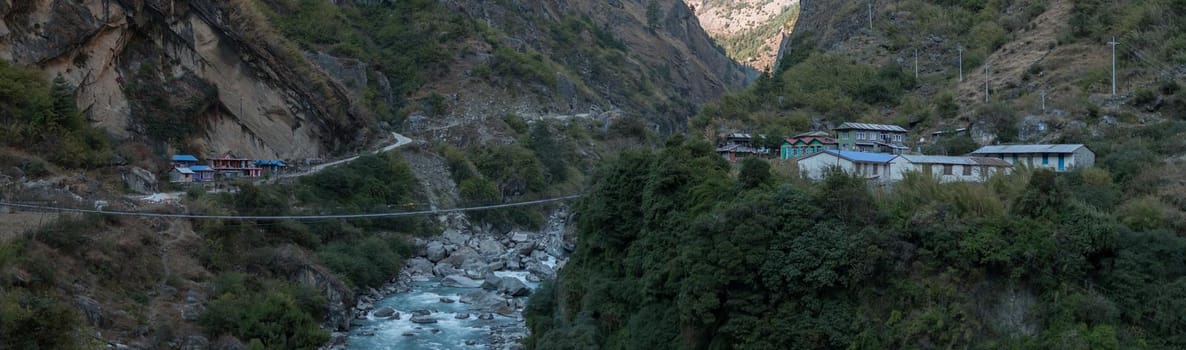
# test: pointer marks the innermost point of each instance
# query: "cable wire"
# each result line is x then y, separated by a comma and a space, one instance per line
288, 217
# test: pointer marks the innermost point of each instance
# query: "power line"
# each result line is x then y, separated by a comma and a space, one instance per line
288, 217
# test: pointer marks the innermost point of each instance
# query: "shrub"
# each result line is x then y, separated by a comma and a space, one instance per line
367, 262
515, 122
31, 320
1144, 97
273, 313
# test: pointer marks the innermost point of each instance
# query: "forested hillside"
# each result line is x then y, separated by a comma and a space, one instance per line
677, 252
680, 250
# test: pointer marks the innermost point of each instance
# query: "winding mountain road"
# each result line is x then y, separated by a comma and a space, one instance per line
400, 141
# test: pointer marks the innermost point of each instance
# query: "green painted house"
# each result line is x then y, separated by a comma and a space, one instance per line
877, 138
803, 145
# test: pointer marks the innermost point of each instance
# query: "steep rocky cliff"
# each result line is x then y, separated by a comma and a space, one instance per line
198, 74
750, 30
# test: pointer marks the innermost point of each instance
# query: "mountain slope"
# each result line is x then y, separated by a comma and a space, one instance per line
197, 71
751, 31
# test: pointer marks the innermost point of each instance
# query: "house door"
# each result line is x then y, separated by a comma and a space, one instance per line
1061, 162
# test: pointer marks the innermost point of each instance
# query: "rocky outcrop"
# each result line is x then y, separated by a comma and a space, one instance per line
670, 54
214, 67
140, 181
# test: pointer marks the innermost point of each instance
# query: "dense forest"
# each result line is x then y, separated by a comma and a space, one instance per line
678, 252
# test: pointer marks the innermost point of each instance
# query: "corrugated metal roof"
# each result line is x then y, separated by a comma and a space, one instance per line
922, 159
991, 161
867, 157
864, 126
183, 170
200, 168
270, 162
998, 149
925, 159
184, 158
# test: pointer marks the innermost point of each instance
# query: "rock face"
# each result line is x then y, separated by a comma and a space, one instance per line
200, 63
764, 20
140, 181
91, 309
674, 41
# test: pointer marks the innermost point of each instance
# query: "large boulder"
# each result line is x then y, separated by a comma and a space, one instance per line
423, 319
454, 236
540, 269
490, 247
419, 267
460, 257
435, 251
514, 287
482, 300
520, 237
460, 282
384, 312
443, 270
140, 181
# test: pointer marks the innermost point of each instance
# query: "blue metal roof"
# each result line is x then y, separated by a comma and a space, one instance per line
270, 162
1008, 149
184, 158
200, 168
866, 157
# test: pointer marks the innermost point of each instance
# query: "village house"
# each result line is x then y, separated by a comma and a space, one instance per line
872, 166
202, 173
184, 160
875, 138
181, 175
1057, 157
949, 168
803, 145
230, 167
740, 145
271, 166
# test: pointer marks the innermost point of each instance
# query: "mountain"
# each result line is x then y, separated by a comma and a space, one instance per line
679, 249
201, 71
493, 102
751, 31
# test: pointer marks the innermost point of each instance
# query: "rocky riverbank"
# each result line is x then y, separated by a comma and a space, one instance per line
470, 278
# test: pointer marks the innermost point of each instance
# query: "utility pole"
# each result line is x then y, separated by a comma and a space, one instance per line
870, 16
916, 64
985, 81
1113, 43
960, 48
1043, 101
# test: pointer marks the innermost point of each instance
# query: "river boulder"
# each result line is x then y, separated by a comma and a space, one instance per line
423, 319
490, 247
384, 312
435, 251
514, 287
419, 267
457, 281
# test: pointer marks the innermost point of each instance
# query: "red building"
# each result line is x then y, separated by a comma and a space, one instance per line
228, 166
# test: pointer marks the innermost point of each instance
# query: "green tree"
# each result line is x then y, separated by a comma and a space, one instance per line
754, 172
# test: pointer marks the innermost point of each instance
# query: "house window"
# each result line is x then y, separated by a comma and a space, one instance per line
860, 135
1045, 159
874, 169
967, 170
946, 169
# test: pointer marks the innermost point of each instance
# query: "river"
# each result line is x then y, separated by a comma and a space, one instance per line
444, 306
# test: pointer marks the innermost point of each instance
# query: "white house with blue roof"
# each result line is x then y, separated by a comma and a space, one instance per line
1057, 157
873, 166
